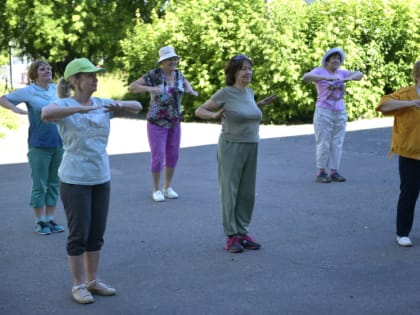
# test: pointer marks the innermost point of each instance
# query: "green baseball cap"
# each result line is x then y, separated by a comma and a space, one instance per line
80, 65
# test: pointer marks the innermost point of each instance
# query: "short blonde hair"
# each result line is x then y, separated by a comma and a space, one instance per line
63, 88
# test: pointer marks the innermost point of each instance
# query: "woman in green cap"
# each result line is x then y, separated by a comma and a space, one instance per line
84, 123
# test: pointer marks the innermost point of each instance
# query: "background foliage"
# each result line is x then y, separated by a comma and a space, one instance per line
284, 38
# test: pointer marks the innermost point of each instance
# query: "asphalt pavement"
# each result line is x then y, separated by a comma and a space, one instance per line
327, 249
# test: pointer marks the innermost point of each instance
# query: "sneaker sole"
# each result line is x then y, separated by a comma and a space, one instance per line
234, 251
60, 231
322, 181
101, 293
404, 245
39, 233
252, 247
83, 301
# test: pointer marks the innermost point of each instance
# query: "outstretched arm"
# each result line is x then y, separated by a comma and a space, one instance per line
267, 100
53, 112
140, 86
393, 105
121, 108
354, 76
310, 77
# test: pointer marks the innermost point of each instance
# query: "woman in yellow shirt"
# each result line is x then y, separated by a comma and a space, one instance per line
404, 105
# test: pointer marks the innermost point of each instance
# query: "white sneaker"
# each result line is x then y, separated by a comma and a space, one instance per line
169, 193
404, 241
158, 196
100, 288
81, 294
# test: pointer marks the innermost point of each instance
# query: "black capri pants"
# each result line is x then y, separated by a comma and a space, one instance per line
409, 191
86, 208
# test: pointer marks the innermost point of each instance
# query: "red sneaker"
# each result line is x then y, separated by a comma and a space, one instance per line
233, 245
248, 242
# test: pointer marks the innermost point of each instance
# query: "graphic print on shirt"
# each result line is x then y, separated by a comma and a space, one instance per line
337, 89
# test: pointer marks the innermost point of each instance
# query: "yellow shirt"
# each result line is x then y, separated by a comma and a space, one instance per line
406, 130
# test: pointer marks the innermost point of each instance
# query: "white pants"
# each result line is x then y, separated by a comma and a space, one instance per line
330, 130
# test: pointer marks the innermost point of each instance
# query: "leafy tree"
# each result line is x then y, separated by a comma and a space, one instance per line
284, 38
61, 30
380, 38
207, 34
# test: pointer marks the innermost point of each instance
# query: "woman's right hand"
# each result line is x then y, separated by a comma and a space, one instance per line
156, 89
219, 114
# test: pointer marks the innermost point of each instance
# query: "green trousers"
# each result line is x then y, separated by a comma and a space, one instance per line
44, 163
237, 176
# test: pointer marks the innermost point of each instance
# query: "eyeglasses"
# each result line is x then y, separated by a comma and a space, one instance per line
240, 57
172, 59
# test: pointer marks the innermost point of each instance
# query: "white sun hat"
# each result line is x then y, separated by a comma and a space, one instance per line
166, 53
333, 51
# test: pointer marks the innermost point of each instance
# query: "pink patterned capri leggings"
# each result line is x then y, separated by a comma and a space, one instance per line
164, 146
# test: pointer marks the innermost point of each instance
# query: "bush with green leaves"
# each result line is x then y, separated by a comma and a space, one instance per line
285, 39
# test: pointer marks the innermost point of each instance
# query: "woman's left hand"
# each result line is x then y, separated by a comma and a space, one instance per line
192, 92
267, 100
113, 107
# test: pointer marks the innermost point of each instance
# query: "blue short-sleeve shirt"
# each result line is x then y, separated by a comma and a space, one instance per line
41, 134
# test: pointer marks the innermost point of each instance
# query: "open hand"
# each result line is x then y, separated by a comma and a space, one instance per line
113, 107
192, 92
219, 114
267, 100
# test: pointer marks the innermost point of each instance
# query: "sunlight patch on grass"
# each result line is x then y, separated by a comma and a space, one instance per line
111, 86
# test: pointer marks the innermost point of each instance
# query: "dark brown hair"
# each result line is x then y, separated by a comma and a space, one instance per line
234, 65
333, 54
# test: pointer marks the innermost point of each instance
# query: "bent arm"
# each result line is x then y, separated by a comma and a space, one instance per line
131, 107
53, 112
393, 105
310, 77
123, 108
209, 110
140, 86
355, 76
6, 104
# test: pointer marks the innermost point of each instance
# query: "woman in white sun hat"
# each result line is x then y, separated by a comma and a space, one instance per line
166, 86
330, 116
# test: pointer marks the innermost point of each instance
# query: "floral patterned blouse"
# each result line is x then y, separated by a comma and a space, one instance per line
165, 107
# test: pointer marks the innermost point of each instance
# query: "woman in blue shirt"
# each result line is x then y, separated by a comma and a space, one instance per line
45, 147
